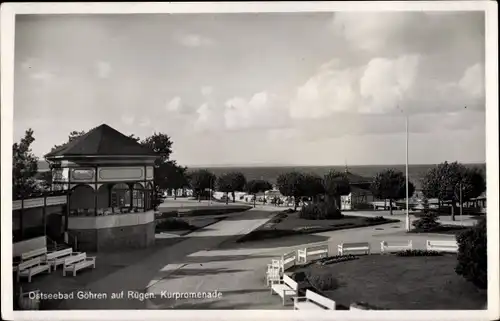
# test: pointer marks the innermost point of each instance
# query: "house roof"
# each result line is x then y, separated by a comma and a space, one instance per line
102, 140
357, 179
355, 190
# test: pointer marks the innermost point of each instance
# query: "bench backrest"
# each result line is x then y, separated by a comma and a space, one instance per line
321, 300
442, 243
25, 246
75, 259
356, 245
291, 283
60, 253
289, 259
30, 263
34, 253
397, 243
317, 249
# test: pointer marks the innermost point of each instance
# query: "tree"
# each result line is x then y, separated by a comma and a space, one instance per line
472, 260
72, 136
24, 167
201, 180
160, 144
257, 186
169, 175
391, 184
336, 184
230, 183
291, 184
445, 181
46, 179
312, 186
137, 139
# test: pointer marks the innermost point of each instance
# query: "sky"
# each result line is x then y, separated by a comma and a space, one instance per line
260, 88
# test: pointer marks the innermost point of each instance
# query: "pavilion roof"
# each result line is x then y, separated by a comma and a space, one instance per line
102, 140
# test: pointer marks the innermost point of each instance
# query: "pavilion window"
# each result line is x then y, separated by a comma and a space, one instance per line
120, 198
138, 197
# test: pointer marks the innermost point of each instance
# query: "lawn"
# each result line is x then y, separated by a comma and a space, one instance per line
286, 224
400, 283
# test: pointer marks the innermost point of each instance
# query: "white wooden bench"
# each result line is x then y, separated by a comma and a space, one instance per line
442, 246
78, 262
274, 272
41, 252
285, 288
387, 247
31, 267
58, 257
313, 301
317, 251
351, 248
286, 261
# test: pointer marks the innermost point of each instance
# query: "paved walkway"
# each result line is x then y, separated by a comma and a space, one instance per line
147, 273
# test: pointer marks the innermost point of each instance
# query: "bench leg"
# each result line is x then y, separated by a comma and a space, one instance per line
29, 278
74, 272
64, 271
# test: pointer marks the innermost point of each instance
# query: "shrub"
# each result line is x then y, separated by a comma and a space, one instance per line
320, 211
299, 276
472, 258
337, 259
375, 219
427, 223
418, 253
323, 281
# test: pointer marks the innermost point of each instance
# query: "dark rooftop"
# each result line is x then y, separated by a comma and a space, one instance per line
357, 179
102, 140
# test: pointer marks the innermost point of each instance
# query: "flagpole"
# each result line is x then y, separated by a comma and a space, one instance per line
407, 180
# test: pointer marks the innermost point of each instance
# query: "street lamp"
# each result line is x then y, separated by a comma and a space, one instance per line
406, 169
407, 179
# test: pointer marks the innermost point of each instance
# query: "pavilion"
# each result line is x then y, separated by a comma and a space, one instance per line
108, 179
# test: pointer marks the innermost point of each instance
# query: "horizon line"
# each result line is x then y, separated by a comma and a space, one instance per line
317, 165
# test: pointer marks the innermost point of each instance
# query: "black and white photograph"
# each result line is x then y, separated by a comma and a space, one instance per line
247, 157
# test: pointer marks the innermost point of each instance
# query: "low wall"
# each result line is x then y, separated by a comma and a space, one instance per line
28, 245
114, 232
